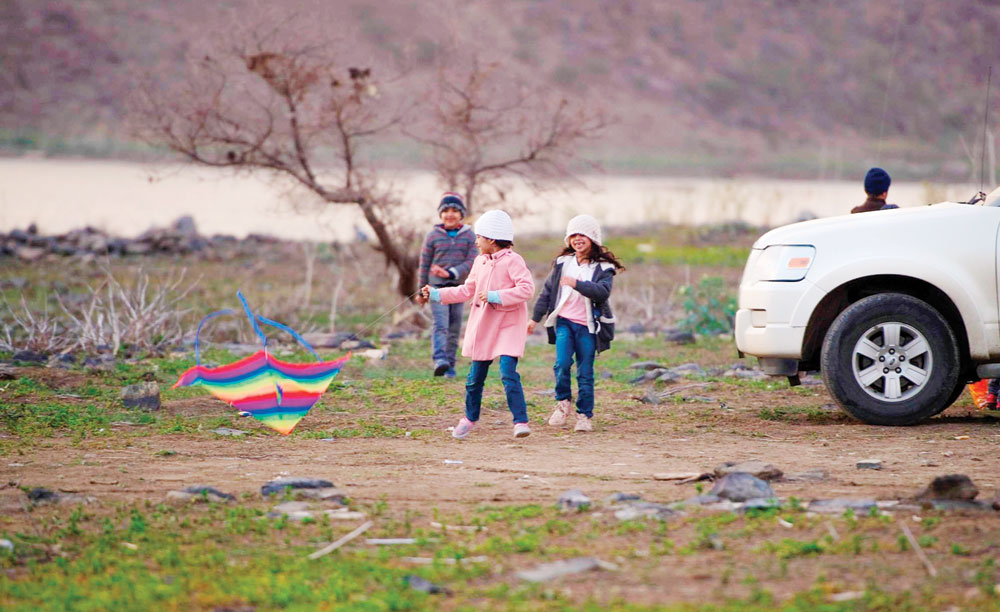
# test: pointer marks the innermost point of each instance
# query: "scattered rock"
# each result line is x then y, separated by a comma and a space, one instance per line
7, 372
870, 464
760, 504
740, 486
546, 393
760, 469
678, 336
647, 365
226, 431
617, 498
6, 544
688, 369
424, 585
651, 397
676, 475
298, 510
808, 476
949, 487
390, 541
668, 377
841, 505
643, 509
29, 357
745, 373
41, 495
574, 499
606, 375
144, 396
308, 488
200, 493
558, 569
649, 375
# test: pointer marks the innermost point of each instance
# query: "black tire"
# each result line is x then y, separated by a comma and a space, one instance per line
959, 388
891, 359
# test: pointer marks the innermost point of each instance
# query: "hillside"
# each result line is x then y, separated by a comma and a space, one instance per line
778, 87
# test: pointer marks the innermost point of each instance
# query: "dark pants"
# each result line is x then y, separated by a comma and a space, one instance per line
444, 337
511, 386
575, 339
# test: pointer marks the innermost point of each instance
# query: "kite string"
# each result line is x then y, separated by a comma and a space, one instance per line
387, 313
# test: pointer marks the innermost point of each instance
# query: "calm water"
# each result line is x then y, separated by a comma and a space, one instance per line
125, 199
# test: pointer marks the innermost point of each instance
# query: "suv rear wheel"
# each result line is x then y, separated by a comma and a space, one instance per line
891, 359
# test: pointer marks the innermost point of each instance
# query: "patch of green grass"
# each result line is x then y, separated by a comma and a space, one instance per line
639, 249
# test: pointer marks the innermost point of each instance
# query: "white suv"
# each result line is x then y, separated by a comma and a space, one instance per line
897, 308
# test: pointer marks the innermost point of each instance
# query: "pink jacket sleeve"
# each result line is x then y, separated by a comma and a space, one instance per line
524, 284
465, 291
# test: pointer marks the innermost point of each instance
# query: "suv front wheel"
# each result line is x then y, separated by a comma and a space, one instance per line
891, 359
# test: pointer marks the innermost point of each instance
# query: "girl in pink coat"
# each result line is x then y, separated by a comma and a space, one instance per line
499, 285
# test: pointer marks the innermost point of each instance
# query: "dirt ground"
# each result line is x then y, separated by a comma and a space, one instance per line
430, 473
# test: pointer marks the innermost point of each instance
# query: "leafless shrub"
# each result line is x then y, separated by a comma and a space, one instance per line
40, 332
138, 315
649, 304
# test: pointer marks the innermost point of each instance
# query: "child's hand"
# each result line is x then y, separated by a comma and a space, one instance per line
531, 327
567, 281
425, 294
482, 297
439, 272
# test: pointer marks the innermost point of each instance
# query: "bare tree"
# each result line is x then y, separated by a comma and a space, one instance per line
291, 110
486, 128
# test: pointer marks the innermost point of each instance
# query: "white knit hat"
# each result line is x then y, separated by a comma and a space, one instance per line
586, 226
495, 225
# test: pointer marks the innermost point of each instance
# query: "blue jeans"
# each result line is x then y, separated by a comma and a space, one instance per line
511, 386
444, 337
575, 339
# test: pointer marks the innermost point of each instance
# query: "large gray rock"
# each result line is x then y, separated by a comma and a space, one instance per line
144, 396
574, 499
740, 486
309, 488
957, 487
760, 469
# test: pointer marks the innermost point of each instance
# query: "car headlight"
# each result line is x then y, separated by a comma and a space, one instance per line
780, 262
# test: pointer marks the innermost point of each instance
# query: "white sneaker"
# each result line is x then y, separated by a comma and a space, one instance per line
521, 430
560, 414
583, 423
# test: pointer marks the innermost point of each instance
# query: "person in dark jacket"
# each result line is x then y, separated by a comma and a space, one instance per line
577, 315
445, 261
877, 187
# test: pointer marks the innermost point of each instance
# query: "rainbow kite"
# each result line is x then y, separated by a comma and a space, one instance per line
275, 392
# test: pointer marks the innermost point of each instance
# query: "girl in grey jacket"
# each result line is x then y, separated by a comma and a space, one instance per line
574, 305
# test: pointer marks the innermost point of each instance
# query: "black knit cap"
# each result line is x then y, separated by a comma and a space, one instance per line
877, 181
450, 199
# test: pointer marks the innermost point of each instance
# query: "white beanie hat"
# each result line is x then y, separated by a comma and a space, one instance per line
586, 226
495, 225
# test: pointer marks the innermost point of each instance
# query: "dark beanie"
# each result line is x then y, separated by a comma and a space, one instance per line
452, 200
877, 181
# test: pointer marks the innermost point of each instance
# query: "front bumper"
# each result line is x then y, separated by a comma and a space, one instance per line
772, 340
773, 317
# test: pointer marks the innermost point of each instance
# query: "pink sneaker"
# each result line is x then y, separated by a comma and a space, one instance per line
583, 423
464, 428
521, 430
560, 414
